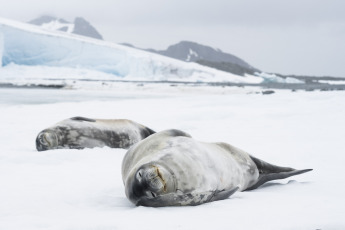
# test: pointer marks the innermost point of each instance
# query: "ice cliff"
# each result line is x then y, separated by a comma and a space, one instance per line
25, 44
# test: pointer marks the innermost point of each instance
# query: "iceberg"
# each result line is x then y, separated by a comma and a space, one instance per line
272, 78
30, 45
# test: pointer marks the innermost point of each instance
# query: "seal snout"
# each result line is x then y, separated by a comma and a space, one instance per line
153, 177
46, 140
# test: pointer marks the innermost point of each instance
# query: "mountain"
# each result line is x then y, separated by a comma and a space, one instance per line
25, 44
192, 52
185, 50
205, 55
80, 26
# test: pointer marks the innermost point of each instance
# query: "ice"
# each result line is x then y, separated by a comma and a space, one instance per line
82, 189
332, 82
25, 48
267, 78
25, 44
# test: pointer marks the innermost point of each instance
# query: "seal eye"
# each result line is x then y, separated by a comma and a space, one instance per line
42, 140
139, 175
151, 194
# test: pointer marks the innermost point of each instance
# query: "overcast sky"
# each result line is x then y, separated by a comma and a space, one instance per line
284, 36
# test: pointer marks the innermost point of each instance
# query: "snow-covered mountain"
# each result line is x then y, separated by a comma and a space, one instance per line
30, 45
205, 55
79, 26
192, 52
25, 44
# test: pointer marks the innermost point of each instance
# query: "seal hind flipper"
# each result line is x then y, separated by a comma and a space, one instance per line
145, 132
268, 172
82, 119
192, 199
176, 133
150, 131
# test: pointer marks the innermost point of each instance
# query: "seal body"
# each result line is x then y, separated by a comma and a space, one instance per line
171, 168
80, 132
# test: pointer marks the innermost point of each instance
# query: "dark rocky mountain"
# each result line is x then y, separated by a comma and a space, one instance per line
83, 27
80, 26
192, 52
206, 55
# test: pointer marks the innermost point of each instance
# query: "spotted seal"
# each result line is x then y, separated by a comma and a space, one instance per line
170, 168
81, 132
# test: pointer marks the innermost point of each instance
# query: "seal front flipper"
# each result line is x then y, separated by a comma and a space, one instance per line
223, 194
268, 172
192, 199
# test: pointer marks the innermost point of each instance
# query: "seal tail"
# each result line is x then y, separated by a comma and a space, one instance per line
268, 172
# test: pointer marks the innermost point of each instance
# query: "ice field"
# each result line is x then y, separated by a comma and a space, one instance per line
82, 189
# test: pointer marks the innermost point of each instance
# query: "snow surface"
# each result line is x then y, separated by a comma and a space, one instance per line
26, 44
191, 53
57, 25
82, 189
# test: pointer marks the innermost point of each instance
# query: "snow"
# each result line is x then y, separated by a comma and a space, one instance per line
332, 82
79, 78
82, 189
57, 25
190, 54
25, 44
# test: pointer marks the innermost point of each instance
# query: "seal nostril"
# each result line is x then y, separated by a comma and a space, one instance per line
139, 175
153, 195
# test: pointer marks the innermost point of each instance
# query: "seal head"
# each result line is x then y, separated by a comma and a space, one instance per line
150, 182
47, 139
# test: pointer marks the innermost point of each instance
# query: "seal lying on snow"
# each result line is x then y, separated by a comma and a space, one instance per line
170, 168
80, 132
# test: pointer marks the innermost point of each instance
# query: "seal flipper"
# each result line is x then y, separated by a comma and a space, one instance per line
223, 194
268, 172
192, 199
82, 119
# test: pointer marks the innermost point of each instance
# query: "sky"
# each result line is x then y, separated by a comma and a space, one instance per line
301, 37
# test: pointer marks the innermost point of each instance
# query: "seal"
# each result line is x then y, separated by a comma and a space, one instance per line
81, 132
170, 168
